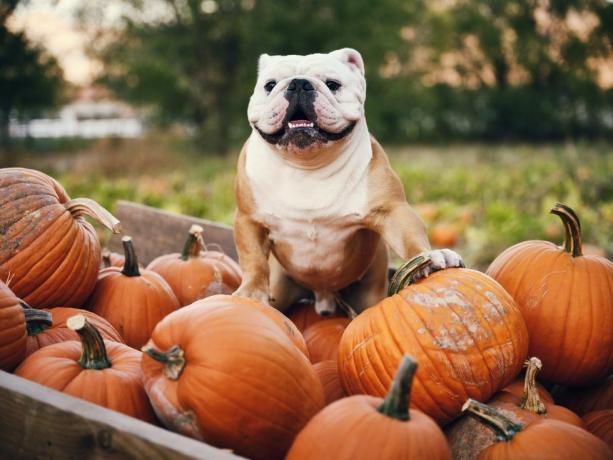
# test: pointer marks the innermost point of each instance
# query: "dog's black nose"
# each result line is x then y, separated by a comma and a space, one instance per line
300, 83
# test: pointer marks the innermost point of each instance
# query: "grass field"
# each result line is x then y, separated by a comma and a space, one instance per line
491, 196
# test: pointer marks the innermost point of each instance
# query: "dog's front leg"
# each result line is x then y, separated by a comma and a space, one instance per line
253, 247
405, 232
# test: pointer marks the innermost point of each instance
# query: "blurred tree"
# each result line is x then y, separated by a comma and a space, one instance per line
30, 79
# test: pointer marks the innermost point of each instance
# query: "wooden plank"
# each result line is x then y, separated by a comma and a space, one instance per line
38, 422
156, 232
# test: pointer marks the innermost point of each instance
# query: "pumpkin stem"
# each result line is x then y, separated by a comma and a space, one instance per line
94, 352
36, 320
404, 275
531, 400
194, 243
130, 266
80, 207
396, 403
572, 226
173, 359
106, 258
504, 428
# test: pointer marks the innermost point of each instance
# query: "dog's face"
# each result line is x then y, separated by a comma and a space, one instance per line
305, 102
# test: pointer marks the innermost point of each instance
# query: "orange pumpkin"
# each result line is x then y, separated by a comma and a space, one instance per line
566, 299
102, 372
303, 314
444, 235
462, 326
367, 427
197, 272
54, 329
467, 436
13, 332
221, 300
327, 372
231, 377
54, 254
322, 338
600, 424
133, 301
112, 259
584, 400
536, 440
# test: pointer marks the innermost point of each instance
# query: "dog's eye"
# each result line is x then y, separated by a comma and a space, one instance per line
333, 85
270, 85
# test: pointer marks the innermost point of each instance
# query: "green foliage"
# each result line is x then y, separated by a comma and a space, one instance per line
494, 196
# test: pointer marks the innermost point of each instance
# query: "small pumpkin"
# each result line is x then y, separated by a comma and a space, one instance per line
303, 314
112, 259
133, 301
13, 332
467, 436
231, 377
566, 299
588, 399
197, 272
47, 330
102, 372
444, 235
52, 254
535, 440
322, 338
368, 427
462, 326
600, 424
327, 372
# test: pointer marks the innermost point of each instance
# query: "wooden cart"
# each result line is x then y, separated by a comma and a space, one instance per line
37, 422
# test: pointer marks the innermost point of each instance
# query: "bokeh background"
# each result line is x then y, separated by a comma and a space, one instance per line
491, 111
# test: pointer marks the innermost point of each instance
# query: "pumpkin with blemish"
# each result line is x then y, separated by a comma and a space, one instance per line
566, 298
48, 251
462, 327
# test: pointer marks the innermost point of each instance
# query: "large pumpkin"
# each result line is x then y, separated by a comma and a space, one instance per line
102, 372
539, 439
47, 249
132, 300
197, 272
462, 327
13, 332
43, 332
368, 427
566, 299
231, 377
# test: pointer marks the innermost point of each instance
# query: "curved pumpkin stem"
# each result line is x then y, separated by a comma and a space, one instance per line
79, 207
173, 359
572, 227
94, 352
130, 266
531, 400
396, 403
36, 320
404, 275
504, 428
194, 243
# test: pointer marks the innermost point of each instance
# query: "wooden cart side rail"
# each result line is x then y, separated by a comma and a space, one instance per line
38, 422
156, 232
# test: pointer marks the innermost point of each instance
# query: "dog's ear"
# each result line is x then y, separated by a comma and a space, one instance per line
263, 62
350, 57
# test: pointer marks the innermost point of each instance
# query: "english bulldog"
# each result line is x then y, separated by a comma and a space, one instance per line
317, 201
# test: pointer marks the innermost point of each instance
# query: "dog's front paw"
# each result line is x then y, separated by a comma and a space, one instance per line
252, 293
439, 259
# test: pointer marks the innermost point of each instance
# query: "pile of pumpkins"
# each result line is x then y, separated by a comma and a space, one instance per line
433, 371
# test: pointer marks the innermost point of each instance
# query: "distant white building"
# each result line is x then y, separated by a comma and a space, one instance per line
91, 115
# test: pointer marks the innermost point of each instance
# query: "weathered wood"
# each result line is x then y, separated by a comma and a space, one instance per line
38, 422
156, 232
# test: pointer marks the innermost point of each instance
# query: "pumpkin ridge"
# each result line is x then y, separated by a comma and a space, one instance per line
591, 323
22, 216
49, 254
425, 352
567, 309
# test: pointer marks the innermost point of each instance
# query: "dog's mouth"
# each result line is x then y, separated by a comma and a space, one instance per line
301, 129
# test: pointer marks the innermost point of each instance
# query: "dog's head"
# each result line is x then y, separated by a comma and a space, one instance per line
305, 102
